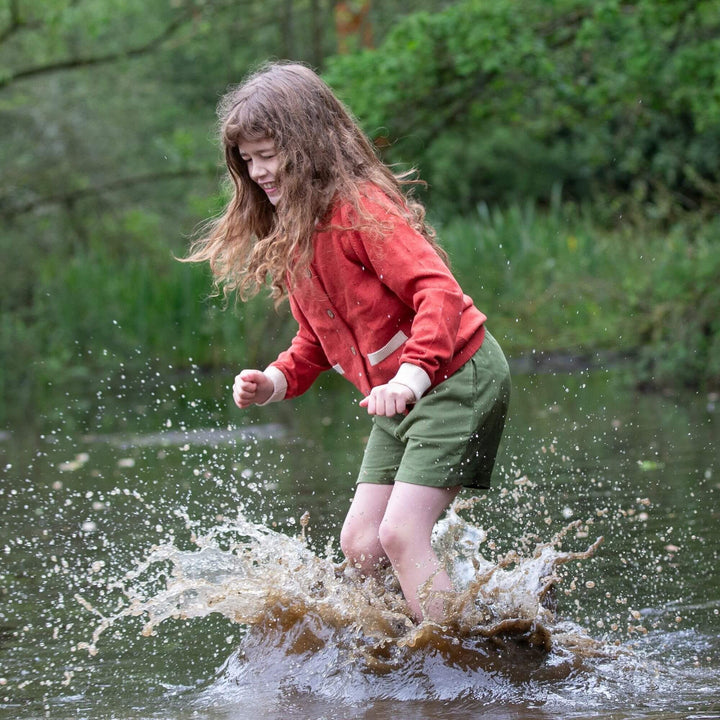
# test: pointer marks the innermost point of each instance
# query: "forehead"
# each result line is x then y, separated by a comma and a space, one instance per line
252, 147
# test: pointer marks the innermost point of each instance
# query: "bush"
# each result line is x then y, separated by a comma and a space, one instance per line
504, 100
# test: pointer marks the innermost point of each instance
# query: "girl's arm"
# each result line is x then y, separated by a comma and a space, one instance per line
410, 267
297, 368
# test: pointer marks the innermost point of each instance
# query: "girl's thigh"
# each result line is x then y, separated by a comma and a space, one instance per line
418, 507
368, 506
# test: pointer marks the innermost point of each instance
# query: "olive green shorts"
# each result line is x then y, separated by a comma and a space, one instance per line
451, 435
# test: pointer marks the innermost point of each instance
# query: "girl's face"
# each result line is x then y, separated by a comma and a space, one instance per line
262, 161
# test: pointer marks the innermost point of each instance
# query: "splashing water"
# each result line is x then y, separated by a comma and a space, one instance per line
315, 625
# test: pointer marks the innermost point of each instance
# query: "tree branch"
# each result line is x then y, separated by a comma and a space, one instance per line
15, 24
8, 210
75, 63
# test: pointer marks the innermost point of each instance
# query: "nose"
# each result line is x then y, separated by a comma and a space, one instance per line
257, 169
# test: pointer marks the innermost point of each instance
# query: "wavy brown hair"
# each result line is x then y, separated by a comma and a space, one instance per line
323, 156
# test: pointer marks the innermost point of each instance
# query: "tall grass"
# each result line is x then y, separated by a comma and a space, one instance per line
98, 314
546, 280
563, 280
549, 280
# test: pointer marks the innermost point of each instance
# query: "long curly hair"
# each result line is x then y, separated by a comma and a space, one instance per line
323, 156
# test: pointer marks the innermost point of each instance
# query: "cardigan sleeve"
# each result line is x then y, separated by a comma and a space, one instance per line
406, 263
301, 363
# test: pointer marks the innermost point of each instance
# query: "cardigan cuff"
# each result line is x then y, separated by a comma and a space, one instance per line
279, 383
413, 377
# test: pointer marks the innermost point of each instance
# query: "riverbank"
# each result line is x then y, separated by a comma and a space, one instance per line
563, 283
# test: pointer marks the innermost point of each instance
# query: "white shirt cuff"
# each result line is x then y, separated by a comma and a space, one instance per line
413, 377
279, 384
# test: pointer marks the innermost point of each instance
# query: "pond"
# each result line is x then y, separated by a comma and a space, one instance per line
158, 561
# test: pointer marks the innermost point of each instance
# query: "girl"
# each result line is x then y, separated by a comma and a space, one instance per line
315, 213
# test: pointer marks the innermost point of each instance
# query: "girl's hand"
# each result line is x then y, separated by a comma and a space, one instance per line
388, 400
252, 387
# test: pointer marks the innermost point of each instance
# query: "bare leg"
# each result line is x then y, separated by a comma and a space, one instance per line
404, 534
360, 538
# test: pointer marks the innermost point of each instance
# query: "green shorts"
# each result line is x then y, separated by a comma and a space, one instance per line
451, 435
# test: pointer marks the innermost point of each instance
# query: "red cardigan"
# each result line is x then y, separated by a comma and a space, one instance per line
376, 309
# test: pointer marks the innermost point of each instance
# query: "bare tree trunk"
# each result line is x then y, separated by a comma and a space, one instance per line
286, 30
316, 30
353, 25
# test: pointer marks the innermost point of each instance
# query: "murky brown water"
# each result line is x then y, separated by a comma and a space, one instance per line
152, 564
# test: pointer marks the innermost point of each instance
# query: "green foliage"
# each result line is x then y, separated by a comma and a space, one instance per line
103, 313
559, 280
678, 301
549, 279
571, 150
512, 97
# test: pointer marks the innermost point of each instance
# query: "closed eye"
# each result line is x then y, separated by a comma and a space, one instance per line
247, 159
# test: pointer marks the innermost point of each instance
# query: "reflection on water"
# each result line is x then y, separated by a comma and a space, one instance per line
156, 564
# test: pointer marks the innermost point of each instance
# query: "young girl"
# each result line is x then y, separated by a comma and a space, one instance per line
316, 214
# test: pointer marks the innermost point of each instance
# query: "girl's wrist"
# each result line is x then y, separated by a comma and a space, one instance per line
413, 377
413, 398
279, 384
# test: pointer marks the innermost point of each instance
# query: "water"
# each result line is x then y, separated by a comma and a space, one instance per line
158, 562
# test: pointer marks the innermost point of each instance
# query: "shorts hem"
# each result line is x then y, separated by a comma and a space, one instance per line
468, 486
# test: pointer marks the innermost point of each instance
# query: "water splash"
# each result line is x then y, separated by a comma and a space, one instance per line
312, 623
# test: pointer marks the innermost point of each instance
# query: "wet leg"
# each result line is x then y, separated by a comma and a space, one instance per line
359, 538
405, 531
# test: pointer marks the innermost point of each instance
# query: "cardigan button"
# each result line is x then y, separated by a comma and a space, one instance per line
331, 314
353, 350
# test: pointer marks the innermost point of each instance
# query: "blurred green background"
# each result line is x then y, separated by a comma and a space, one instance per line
570, 148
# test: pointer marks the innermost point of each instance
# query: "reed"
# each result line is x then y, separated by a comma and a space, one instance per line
548, 280
556, 279
566, 280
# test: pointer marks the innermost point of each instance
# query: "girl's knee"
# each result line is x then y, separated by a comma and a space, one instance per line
359, 544
348, 541
394, 538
